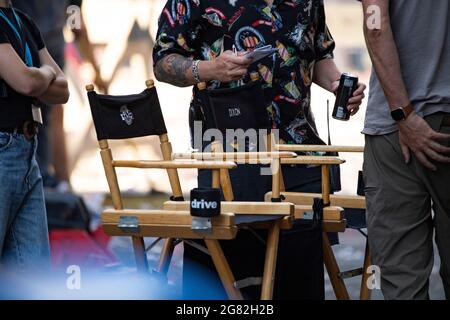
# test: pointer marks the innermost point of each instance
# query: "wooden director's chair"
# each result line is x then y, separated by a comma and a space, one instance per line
332, 215
125, 117
356, 204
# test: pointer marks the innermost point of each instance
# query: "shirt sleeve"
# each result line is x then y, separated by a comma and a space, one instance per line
34, 30
325, 44
178, 29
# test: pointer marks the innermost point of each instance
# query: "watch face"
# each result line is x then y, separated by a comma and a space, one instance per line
398, 114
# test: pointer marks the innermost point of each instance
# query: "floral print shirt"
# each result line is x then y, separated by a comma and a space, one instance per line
202, 29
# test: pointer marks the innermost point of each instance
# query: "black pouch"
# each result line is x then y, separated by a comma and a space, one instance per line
300, 272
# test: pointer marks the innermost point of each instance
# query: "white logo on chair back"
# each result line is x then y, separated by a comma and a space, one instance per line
234, 112
126, 115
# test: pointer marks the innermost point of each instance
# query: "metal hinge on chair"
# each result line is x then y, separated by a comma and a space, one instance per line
350, 273
129, 224
307, 215
202, 225
248, 282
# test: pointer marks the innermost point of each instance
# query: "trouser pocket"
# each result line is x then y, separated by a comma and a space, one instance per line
5, 140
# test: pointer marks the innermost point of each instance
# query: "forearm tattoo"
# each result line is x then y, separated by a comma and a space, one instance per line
175, 69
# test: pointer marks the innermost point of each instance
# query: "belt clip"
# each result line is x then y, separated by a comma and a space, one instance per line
30, 129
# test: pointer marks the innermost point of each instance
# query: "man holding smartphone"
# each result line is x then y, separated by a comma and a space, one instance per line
206, 41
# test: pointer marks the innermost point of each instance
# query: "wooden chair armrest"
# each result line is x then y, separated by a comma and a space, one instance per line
313, 160
165, 224
344, 201
174, 164
241, 208
163, 217
329, 213
319, 148
334, 226
240, 157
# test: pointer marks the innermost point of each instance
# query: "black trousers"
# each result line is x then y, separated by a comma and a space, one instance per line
300, 273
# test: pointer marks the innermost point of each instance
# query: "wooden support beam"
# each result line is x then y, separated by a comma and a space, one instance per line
340, 290
240, 157
270, 261
176, 164
313, 160
223, 269
318, 148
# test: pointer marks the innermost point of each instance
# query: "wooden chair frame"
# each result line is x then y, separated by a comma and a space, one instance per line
351, 202
333, 215
177, 223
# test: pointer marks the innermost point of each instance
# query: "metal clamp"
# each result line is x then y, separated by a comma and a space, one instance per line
128, 224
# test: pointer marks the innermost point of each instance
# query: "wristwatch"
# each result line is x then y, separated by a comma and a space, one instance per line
402, 113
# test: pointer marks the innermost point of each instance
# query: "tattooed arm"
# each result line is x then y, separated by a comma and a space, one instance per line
177, 69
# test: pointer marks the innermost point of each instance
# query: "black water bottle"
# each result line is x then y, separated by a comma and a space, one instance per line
347, 86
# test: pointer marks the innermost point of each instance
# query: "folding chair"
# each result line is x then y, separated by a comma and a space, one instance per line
125, 117
333, 215
354, 207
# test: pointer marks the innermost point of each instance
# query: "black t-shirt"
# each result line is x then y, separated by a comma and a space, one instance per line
15, 108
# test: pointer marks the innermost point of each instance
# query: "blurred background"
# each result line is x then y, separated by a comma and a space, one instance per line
122, 34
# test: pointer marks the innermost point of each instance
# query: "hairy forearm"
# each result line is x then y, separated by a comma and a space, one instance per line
325, 73
386, 62
176, 70
57, 92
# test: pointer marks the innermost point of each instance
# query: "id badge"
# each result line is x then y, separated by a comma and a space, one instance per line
37, 114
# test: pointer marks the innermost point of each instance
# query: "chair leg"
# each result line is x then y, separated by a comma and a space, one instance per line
223, 269
270, 262
340, 290
165, 257
365, 293
140, 255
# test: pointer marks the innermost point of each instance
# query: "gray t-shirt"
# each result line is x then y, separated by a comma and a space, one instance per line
422, 34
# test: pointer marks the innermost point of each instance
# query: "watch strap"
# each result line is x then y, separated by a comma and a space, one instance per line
408, 110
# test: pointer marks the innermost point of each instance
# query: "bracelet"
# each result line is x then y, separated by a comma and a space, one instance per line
195, 71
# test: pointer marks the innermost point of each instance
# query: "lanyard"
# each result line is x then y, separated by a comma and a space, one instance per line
28, 56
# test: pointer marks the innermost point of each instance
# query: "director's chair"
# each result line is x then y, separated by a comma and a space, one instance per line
354, 212
125, 117
332, 215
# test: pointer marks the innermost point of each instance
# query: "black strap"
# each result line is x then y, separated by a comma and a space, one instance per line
280, 199
318, 207
173, 198
328, 122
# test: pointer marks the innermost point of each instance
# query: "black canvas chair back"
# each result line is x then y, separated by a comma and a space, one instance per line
129, 116
242, 107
